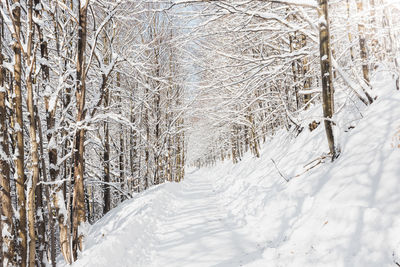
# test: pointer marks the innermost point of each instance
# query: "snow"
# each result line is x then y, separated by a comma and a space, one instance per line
343, 213
322, 21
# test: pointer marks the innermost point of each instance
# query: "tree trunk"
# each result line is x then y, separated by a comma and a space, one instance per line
7, 245
106, 160
363, 45
18, 129
393, 45
133, 148
349, 36
121, 146
326, 74
363, 49
53, 249
50, 120
78, 206
33, 141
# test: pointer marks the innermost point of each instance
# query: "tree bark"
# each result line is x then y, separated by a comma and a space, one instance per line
78, 205
106, 160
7, 246
326, 74
50, 120
349, 31
363, 45
33, 140
20, 150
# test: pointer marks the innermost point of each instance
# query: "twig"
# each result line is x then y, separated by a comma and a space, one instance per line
279, 171
319, 161
320, 158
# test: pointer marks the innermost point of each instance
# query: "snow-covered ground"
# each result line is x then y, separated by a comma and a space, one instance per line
345, 213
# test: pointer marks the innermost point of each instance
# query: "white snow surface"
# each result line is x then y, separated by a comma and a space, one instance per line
345, 213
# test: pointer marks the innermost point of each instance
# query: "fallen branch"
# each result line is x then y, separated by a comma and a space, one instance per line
279, 171
319, 158
319, 161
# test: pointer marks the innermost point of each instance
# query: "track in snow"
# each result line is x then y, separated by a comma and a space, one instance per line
171, 225
199, 232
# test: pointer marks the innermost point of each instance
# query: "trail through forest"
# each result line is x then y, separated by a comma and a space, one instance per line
199, 133
335, 214
200, 231
192, 229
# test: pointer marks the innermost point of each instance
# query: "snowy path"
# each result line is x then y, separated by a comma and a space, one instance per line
174, 224
199, 232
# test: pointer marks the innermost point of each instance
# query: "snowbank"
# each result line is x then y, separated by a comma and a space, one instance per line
344, 213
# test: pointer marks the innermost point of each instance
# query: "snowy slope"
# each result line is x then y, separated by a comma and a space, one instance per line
345, 213
341, 214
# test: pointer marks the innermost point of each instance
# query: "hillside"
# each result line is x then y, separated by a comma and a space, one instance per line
334, 214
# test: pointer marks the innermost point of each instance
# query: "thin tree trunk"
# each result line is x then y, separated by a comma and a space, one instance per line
47, 194
349, 31
326, 74
292, 40
183, 153
106, 152
147, 148
363, 45
133, 148
33, 141
121, 146
7, 246
50, 120
20, 151
106, 160
393, 44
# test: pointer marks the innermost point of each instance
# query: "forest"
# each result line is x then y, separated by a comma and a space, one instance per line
101, 100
